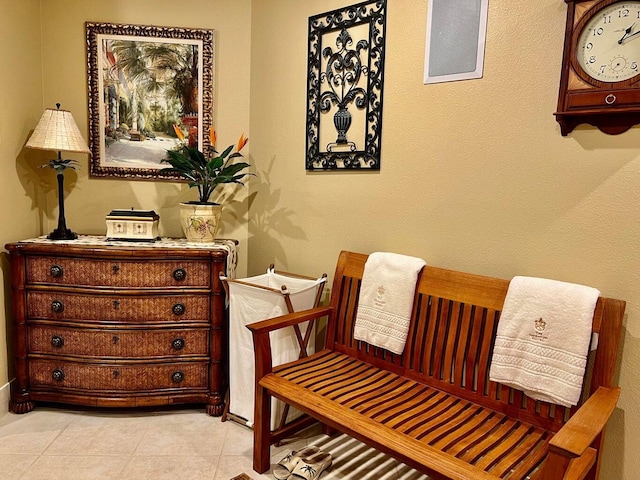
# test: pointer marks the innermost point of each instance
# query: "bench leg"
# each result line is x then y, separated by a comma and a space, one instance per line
261, 431
327, 430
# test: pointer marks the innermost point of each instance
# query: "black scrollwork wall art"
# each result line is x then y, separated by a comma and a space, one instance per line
345, 85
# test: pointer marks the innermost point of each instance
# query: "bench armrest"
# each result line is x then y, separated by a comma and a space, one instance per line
573, 439
260, 331
289, 319
571, 455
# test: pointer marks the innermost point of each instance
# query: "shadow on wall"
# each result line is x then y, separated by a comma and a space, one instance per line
612, 468
234, 212
269, 220
39, 183
614, 447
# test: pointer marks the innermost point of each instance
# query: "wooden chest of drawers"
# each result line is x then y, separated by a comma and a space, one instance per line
119, 324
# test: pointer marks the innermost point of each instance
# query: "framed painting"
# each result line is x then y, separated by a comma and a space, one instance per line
142, 81
345, 86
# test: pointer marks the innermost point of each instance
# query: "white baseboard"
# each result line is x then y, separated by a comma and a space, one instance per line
5, 396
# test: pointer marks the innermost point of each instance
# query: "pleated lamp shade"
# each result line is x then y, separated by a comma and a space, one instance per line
57, 130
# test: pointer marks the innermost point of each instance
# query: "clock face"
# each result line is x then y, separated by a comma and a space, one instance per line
608, 47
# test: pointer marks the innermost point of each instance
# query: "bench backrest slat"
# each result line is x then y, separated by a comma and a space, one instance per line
450, 340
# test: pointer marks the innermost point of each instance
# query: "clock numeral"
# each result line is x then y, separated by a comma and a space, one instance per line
589, 46
606, 19
592, 59
623, 13
598, 31
634, 65
603, 68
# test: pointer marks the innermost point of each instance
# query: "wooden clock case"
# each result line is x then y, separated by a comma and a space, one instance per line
611, 107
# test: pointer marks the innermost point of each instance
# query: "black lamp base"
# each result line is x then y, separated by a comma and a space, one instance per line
62, 234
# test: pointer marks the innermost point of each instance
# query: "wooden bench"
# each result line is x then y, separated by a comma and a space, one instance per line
433, 407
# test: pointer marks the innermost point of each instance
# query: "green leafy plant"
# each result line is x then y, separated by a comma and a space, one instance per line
204, 172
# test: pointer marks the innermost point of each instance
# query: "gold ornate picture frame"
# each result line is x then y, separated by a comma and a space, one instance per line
142, 80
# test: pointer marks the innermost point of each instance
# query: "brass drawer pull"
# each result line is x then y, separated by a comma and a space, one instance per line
179, 309
115, 269
57, 375
56, 271
177, 377
57, 306
177, 343
57, 341
115, 339
116, 374
179, 274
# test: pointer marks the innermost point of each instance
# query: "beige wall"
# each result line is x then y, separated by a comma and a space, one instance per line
44, 62
20, 109
475, 174
65, 81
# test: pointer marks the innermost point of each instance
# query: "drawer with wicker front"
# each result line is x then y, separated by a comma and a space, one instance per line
116, 377
118, 343
56, 305
117, 273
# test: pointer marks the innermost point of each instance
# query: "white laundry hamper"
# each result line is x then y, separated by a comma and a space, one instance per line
260, 298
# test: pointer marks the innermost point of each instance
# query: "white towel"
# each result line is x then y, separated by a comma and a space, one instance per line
386, 300
543, 338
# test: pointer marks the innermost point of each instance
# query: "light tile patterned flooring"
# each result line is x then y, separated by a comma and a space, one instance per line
52, 443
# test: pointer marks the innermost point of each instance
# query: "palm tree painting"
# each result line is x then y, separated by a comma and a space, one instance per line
142, 81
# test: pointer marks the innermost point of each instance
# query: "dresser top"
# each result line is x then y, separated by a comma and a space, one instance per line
101, 243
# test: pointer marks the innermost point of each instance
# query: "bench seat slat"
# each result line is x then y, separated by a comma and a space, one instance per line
408, 450
351, 390
395, 391
422, 425
471, 434
534, 439
408, 415
451, 424
489, 441
466, 434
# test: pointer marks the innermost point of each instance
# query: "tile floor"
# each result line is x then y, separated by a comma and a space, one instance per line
52, 443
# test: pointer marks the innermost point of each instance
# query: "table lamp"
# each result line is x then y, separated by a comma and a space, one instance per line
57, 130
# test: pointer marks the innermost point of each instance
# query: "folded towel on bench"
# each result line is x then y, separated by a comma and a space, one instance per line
543, 338
386, 299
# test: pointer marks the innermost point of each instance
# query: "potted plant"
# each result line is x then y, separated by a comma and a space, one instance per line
200, 219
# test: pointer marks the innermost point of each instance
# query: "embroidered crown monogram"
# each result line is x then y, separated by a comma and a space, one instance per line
379, 299
540, 325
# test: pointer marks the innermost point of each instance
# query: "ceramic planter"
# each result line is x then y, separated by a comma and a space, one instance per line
200, 221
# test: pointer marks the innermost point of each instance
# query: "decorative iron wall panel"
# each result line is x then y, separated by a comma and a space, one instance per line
345, 86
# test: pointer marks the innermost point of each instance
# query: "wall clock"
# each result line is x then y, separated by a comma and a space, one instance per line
600, 79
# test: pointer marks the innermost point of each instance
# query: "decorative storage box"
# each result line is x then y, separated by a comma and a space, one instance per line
134, 225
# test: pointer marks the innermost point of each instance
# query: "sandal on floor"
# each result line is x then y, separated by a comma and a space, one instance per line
286, 465
310, 468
